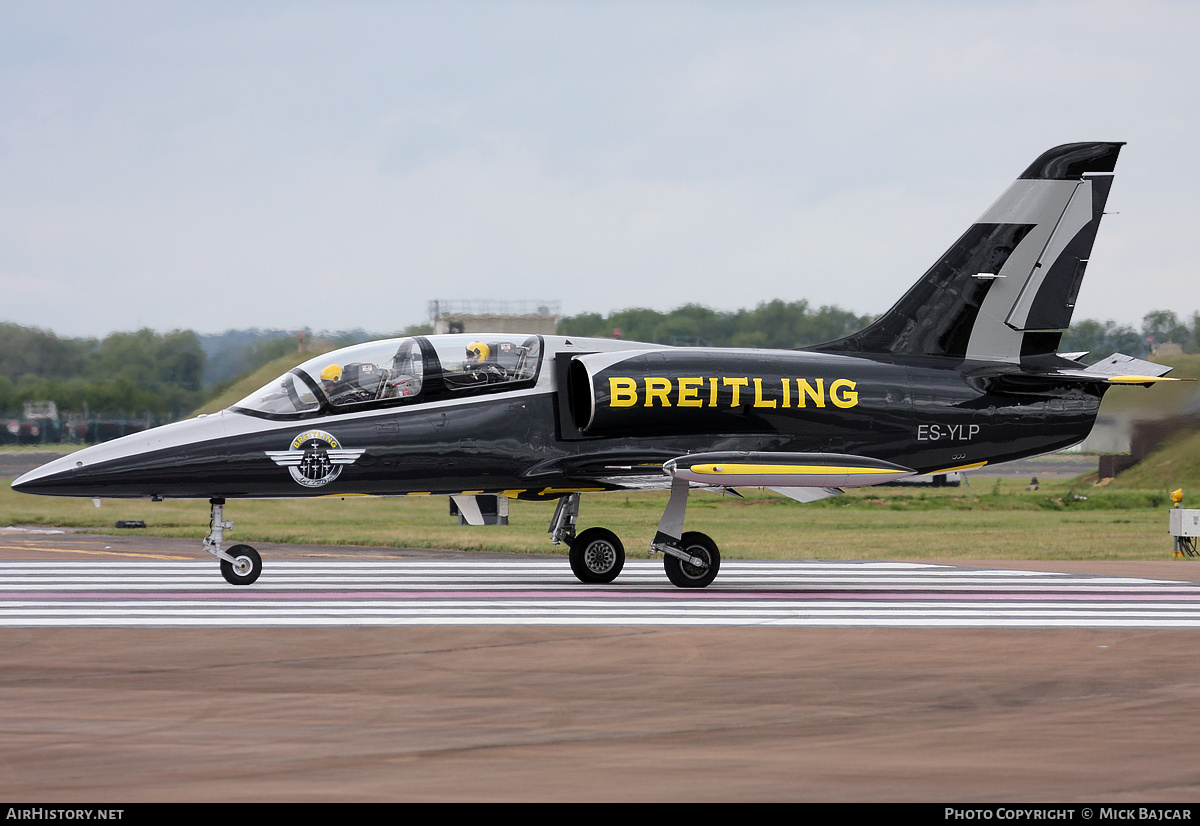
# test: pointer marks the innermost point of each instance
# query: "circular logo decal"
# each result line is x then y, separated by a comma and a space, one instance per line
315, 458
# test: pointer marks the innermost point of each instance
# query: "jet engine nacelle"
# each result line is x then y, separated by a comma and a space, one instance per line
681, 391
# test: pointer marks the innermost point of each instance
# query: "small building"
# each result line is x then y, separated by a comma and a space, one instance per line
494, 316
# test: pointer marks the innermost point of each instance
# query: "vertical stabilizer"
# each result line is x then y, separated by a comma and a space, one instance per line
1006, 289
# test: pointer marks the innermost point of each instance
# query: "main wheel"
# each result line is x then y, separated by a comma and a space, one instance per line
246, 567
597, 556
685, 574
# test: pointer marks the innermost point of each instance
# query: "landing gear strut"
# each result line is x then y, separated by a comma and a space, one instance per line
241, 564
691, 559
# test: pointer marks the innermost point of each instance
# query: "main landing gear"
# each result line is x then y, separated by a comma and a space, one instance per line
241, 564
691, 559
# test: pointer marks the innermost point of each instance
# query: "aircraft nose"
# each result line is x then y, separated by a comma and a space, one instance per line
50, 477
139, 465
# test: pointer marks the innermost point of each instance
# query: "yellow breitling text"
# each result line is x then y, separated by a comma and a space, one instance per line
725, 391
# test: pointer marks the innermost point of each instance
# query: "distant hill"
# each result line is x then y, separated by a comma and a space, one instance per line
235, 352
1175, 462
247, 384
250, 382
228, 354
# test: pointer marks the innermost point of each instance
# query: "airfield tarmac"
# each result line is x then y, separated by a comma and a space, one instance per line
630, 713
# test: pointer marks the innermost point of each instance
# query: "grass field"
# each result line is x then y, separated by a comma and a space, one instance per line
991, 519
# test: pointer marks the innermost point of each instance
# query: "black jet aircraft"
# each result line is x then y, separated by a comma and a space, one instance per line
963, 371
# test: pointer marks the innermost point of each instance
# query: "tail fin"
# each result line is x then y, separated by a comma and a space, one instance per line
1006, 290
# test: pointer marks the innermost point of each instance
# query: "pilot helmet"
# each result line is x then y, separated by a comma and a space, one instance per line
332, 373
478, 351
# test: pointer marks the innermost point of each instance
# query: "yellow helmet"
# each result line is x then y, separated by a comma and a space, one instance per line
332, 373
478, 351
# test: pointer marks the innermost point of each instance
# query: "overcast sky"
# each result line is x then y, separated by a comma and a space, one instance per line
212, 165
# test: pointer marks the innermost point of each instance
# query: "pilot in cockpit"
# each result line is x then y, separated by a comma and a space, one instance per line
331, 382
354, 383
477, 354
482, 362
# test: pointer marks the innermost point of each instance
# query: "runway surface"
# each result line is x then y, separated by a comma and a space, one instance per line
543, 592
129, 671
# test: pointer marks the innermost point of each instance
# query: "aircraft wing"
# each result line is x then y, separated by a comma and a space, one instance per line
804, 477
661, 481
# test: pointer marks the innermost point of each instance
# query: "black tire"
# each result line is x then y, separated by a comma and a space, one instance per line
248, 568
685, 575
597, 556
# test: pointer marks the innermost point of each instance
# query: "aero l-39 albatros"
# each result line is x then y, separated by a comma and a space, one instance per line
962, 371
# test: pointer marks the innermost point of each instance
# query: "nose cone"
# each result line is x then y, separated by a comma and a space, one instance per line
36, 480
163, 461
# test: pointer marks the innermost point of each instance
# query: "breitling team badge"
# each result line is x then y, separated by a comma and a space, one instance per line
315, 458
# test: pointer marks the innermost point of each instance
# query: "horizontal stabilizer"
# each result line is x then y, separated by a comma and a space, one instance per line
1121, 369
783, 470
1119, 364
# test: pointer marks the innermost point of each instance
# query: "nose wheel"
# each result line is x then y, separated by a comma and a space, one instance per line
245, 568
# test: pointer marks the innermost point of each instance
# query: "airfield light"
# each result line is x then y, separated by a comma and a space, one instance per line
1184, 527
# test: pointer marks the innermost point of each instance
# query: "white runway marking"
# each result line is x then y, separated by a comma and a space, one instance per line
535, 592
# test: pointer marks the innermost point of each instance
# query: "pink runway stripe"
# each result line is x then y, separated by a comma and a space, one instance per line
421, 594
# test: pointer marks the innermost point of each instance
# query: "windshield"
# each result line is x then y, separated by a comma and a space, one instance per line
347, 378
286, 394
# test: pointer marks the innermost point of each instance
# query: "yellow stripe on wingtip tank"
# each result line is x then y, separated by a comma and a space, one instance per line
1138, 379
785, 470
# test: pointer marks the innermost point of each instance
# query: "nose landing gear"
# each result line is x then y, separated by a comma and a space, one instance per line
241, 564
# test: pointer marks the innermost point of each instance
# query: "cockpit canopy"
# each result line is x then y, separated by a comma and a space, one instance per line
399, 371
